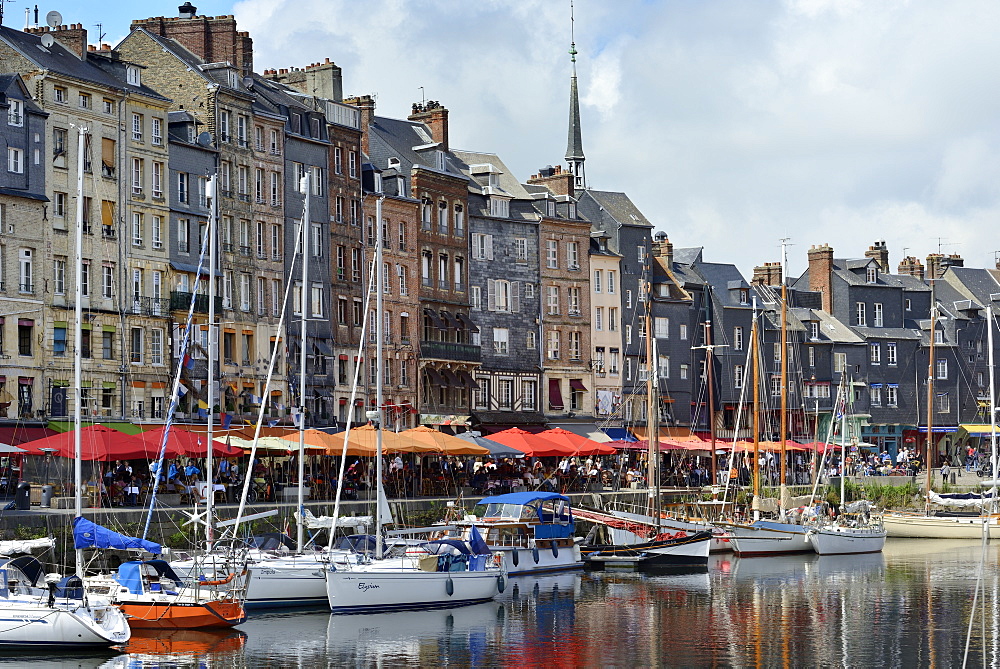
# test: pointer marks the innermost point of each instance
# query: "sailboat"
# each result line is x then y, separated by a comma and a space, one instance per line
769, 537
47, 610
437, 574
641, 541
944, 525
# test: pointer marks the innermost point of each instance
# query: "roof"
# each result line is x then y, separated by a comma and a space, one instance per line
832, 329
688, 256
508, 182
95, 68
522, 497
971, 283
398, 138
614, 204
189, 58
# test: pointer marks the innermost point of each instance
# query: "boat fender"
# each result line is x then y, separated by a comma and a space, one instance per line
449, 586
534, 553
515, 558
555, 549
501, 584
202, 581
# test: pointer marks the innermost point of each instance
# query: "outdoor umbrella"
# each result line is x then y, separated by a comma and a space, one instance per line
364, 437
270, 446
497, 450
581, 445
97, 442
184, 444
532, 444
333, 444
444, 443
7, 449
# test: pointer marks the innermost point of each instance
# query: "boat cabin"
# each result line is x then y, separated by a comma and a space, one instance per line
509, 519
142, 576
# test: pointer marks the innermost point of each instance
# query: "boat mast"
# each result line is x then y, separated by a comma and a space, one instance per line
77, 349
305, 229
379, 362
930, 398
213, 356
756, 407
993, 410
652, 424
709, 351
783, 419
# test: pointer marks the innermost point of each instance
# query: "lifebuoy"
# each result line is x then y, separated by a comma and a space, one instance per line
227, 579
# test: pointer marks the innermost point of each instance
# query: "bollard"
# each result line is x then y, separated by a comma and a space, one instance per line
953, 478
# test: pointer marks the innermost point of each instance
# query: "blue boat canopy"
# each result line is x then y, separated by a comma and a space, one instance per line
523, 497
130, 574
87, 534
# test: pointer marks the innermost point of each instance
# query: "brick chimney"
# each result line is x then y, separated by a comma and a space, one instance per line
880, 252
662, 248
213, 39
911, 266
555, 179
768, 274
821, 274
73, 37
435, 117
366, 105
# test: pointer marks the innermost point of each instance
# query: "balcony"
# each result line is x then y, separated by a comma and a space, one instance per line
180, 301
150, 306
442, 350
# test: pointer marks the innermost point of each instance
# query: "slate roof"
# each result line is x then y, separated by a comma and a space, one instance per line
688, 256
833, 330
971, 283
193, 61
396, 138
58, 58
508, 182
8, 80
611, 204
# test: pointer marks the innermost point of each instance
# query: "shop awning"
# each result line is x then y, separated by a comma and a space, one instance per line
588, 430
577, 384
435, 377
67, 425
939, 429
468, 381
467, 322
451, 379
435, 318
555, 395
323, 346
15, 435
975, 429
450, 320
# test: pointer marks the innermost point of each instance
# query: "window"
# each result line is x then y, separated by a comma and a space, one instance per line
15, 114
59, 94
59, 341
663, 366
317, 240
875, 394
107, 281
136, 229
241, 129
892, 395
628, 334
352, 164
338, 156
275, 190
531, 340
85, 278
500, 341
157, 179
157, 231
552, 345
482, 246
575, 346
25, 270
812, 356
738, 338
907, 304
261, 295
15, 160
890, 353
242, 179
276, 297
109, 106
401, 279
839, 363
529, 393
275, 143
612, 319
443, 217
813, 330
132, 75
613, 362
156, 132
317, 300
875, 353
59, 205
573, 295
683, 331
552, 254
599, 319
860, 318
136, 176
402, 236
597, 280
135, 346
877, 308
227, 289
573, 255
475, 298
872, 273
628, 299
641, 254
224, 118
458, 228
25, 336
244, 292
553, 300
316, 181
520, 249
85, 101
611, 281
939, 336
943, 403
137, 127
661, 327
156, 346
942, 368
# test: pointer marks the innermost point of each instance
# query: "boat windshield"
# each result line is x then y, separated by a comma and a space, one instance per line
503, 511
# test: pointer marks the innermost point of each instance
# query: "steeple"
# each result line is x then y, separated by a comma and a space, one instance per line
574, 145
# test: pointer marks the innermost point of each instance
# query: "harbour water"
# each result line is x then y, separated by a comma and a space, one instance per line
907, 607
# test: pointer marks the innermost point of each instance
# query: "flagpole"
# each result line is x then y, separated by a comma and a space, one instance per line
305, 229
213, 352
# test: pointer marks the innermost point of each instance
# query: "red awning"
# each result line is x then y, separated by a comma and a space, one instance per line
15, 435
343, 356
555, 395
577, 384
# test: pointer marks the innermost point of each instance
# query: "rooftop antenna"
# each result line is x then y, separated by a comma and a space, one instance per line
941, 243
1, 9
423, 100
100, 33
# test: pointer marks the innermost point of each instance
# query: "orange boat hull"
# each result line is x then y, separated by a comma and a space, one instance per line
176, 616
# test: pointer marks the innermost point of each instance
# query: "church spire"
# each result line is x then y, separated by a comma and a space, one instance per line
574, 145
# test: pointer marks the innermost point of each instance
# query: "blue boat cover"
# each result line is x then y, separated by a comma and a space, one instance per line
523, 497
477, 544
619, 433
87, 534
130, 574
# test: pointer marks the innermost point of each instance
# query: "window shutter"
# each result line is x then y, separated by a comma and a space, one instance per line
515, 296
491, 295
489, 246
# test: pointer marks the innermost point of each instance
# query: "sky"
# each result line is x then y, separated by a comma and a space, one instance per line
731, 124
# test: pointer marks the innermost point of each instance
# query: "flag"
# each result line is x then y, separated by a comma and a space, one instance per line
181, 390
477, 544
272, 423
202, 409
225, 419
188, 362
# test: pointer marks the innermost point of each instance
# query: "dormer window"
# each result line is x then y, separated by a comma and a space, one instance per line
550, 208
493, 180
499, 207
439, 160
872, 273
132, 75
814, 330
744, 296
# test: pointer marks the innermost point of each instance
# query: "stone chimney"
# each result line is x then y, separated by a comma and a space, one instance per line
911, 266
366, 105
435, 117
74, 38
559, 182
880, 252
768, 274
187, 11
662, 248
213, 39
323, 80
821, 274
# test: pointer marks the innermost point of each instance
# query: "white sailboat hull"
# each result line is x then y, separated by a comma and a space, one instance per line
939, 527
26, 621
274, 582
847, 540
393, 587
519, 561
768, 538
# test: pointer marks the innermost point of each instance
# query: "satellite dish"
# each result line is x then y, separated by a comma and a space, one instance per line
247, 82
48, 40
204, 139
53, 19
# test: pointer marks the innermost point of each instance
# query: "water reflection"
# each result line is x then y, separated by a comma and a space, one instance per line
908, 606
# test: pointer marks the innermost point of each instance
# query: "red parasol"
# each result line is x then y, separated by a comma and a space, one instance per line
97, 442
